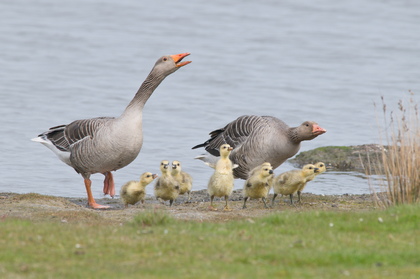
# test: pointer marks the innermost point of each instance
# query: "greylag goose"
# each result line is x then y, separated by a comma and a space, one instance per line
135, 191
105, 144
289, 182
184, 179
258, 139
222, 180
166, 187
320, 169
258, 184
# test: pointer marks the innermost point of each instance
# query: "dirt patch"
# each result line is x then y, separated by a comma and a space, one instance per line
37, 207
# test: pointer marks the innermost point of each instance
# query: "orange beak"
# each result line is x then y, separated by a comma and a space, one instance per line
178, 57
317, 130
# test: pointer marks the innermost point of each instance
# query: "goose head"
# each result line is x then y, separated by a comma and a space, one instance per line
147, 177
309, 130
321, 167
168, 64
309, 170
176, 167
164, 165
225, 150
266, 169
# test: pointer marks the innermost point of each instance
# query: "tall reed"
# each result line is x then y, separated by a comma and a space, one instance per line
400, 155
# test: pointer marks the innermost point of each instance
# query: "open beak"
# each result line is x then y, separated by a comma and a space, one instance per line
317, 130
178, 58
154, 175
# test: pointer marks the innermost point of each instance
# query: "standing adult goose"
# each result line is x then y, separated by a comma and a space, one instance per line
105, 144
258, 139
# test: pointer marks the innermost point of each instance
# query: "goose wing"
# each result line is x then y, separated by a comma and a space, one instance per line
235, 134
64, 136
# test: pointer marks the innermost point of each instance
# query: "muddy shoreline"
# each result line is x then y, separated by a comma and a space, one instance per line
36, 207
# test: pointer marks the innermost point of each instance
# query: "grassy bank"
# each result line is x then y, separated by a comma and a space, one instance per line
313, 244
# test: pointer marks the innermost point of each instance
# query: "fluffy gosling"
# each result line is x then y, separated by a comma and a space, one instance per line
166, 187
289, 182
321, 169
258, 184
183, 178
134, 191
222, 180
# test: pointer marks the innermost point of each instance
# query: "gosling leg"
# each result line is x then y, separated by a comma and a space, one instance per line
272, 201
226, 205
299, 192
245, 199
291, 199
265, 203
211, 204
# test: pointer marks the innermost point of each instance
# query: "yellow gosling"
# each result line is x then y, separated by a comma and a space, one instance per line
183, 178
258, 184
166, 187
320, 169
134, 191
289, 182
222, 180
270, 178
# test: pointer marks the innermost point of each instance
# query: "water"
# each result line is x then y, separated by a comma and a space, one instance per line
327, 61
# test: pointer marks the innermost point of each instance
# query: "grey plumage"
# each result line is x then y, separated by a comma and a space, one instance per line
105, 144
258, 139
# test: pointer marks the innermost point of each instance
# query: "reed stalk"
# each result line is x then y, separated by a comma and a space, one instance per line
400, 155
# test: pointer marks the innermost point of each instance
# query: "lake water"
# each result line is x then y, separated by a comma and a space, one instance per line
327, 61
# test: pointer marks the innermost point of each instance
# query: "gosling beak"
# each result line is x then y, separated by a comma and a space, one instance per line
230, 148
316, 170
173, 166
317, 130
154, 175
178, 58
270, 171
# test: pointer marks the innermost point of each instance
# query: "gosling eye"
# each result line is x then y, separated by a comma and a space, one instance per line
148, 175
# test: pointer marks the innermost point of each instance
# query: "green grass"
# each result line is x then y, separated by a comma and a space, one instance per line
374, 244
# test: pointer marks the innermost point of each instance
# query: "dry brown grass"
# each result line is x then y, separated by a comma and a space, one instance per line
401, 155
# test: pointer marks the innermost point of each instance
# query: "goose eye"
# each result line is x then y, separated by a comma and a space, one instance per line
165, 59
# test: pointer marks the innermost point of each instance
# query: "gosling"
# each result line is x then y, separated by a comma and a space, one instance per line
258, 168
321, 169
166, 187
289, 182
258, 184
184, 179
134, 191
222, 180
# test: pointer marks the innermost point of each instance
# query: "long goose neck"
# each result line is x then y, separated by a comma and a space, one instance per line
294, 135
145, 91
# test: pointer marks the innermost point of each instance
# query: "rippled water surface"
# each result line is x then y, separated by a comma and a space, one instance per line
327, 61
